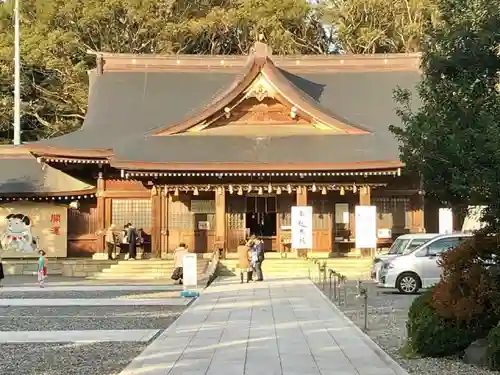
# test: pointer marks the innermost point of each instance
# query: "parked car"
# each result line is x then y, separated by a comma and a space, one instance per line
418, 269
404, 244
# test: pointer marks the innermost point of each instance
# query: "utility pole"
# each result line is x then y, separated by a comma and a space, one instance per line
17, 76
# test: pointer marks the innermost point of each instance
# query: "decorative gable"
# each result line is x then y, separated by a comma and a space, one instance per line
261, 102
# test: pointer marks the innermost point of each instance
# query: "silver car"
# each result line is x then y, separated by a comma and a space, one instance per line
404, 244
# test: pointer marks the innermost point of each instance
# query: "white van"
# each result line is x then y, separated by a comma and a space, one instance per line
418, 269
404, 244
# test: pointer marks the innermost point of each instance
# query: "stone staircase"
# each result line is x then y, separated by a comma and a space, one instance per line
275, 267
144, 270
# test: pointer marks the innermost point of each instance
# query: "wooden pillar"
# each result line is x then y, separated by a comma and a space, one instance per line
165, 199
220, 218
418, 224
155, 222
101, 220
302, 196
365, 196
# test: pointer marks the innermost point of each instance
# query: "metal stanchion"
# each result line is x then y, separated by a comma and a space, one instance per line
331, 273
363, 293
323, 268
335, 278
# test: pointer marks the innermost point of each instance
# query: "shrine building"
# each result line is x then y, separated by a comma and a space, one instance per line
208, 149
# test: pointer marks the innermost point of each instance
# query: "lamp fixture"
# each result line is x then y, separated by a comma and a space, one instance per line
323, 191
313, 189
195, 192
354, 189
342, 190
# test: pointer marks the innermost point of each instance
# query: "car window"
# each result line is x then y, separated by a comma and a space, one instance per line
398, 246
438, 247
417, 242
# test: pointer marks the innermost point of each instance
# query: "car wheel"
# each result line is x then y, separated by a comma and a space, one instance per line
408, 283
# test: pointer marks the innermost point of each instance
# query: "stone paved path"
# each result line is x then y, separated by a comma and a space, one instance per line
280, 327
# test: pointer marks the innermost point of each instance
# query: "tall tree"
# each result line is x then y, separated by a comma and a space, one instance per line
453, 139
56, 35
378, 26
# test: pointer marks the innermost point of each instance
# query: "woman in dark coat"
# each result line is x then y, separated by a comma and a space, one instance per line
1, 272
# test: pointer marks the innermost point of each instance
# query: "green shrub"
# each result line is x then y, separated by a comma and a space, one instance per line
494, 348
430, 335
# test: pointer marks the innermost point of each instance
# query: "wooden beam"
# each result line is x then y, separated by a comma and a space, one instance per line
101, 216
156, 211
220, 219
301, 196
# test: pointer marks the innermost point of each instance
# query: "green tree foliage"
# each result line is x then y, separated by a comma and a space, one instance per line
453, 139
378, 26
56, 35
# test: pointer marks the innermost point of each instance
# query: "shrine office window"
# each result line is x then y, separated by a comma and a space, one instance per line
135, 211
393, 213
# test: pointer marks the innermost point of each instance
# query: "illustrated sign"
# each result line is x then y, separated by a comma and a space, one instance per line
302, 221
189, 269
366, 227
445, 221
27, 227
203, 225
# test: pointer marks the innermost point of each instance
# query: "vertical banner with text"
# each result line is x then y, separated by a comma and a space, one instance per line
302, 227
366, 227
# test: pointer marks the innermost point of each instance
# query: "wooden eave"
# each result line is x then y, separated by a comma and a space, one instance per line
255, 167
260, 63
73, 194
67, 155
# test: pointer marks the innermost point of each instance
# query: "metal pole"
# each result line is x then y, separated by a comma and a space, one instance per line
365, 297
335, 287
17, 76
330, 289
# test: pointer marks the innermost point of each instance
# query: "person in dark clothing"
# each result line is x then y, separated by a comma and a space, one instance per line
259, 249
132, 241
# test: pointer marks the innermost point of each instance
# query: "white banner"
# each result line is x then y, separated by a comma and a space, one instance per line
189, 269
302, 227
445, 221
366, 227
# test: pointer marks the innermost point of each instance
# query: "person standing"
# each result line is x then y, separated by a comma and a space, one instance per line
178, 274
1, 273
244, 261
42, 268
111, 241
132, 241
258, 249
124, 242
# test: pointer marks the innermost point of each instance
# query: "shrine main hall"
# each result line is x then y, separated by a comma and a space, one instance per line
208, 149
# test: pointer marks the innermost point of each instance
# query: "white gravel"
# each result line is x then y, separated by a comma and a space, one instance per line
68, 359
387, 315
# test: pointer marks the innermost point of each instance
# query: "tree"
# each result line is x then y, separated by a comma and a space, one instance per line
378, 26
453, 140
56, 35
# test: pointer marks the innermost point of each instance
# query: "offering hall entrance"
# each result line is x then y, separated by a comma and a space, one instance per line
261, 219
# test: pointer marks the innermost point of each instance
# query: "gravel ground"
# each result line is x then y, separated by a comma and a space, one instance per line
387, 315
87, 318
91, 294
69, 359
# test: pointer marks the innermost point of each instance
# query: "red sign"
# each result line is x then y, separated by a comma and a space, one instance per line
55, 219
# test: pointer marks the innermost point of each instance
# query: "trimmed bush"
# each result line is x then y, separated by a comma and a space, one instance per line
431, 335
494, 348
468, 291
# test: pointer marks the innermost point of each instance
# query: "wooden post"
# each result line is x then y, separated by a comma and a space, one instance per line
155, 222
418, 224
301, 196
165, 198
101, 220
365, 196
220, 219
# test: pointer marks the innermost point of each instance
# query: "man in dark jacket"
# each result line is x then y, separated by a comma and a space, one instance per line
259, 247
132, 241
